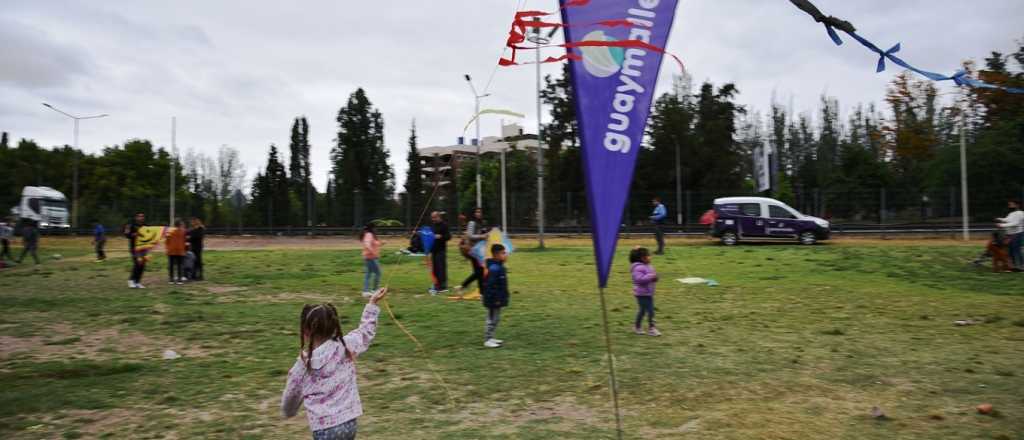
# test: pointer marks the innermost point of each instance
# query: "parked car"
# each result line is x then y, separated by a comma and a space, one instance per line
760, 218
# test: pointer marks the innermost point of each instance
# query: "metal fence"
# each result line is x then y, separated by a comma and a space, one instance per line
881, 209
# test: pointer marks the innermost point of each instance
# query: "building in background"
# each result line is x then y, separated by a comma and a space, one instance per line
442, 165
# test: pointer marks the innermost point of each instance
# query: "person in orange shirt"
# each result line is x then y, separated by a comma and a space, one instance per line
175, 246
371, 255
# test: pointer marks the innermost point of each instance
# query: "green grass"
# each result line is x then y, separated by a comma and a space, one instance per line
796, 343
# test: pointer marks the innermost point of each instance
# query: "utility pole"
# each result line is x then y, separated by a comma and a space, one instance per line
965, 206
539, 39
504, 211
476, 115
679, 185
174, 158
74, 182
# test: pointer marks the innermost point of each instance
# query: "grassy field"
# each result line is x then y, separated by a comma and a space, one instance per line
796, 343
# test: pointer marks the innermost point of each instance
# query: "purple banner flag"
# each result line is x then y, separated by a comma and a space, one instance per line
614, 84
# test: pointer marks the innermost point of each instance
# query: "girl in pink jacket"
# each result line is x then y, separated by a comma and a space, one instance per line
644, 281
324, 375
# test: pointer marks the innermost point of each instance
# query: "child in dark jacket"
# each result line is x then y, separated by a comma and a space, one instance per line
644, 281
495, 294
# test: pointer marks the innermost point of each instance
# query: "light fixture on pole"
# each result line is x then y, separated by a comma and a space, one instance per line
74, 179
476, 112
539, 40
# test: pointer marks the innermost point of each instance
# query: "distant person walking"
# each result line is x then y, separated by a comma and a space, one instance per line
131, 232
476, 231
30, 239
371, 258
1013, 224
439, 253
196, 235
658, 219
99, 240
175, 246
6, 232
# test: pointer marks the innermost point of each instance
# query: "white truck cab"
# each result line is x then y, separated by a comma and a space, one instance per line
44, 205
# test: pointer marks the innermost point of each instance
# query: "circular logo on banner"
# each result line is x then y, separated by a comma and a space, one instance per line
601, 62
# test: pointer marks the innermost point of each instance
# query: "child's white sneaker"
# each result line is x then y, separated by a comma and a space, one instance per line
139, 286
132, 285
499, 341
367, 294
653, 332
638, 330
492, 343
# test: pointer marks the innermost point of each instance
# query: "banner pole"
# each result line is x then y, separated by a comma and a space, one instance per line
611, 365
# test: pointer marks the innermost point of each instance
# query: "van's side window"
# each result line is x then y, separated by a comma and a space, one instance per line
750, 209
779, 212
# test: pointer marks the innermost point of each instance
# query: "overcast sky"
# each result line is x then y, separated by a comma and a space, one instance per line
236, 73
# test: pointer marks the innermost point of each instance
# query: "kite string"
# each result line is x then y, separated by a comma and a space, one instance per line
391, 314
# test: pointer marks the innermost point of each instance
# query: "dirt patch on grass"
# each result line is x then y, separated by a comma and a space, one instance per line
268, 242
288, 298
224, 289
64, 342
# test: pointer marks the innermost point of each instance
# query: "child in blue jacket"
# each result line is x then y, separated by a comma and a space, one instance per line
495, 294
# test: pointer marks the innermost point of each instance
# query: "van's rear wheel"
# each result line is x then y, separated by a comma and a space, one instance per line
729, 238
808, 238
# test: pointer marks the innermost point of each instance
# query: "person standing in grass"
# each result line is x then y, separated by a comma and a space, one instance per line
495, 294
99, 240
6, 232
1013, 224
658, 219
196, 235
131, 232
371, 258
30, 239
324, 375
439, 253
644, 281
175, 246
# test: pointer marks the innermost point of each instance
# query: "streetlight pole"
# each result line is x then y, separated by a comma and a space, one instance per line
174, 158
965, 217
679, 184
74, 172
476, 114
539, 40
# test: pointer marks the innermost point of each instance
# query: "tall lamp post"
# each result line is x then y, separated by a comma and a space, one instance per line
74, 181
539, 40
476, 113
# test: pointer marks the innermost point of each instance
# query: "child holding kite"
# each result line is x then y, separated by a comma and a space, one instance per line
495, 294
371, 257
644, 281
324, 374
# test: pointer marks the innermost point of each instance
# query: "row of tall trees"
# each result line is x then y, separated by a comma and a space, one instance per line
863, 162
